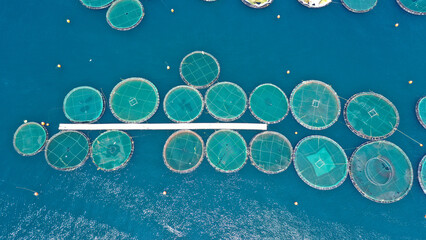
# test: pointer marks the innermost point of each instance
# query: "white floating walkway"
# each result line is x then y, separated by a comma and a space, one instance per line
164, 126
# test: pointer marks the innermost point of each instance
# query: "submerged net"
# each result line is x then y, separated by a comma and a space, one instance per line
67, 150
422, 174
134, 100
381, 171
96, 4
29, 139
199, 69
315, 3
183, 104
183, 151
226, 101
112, 150
421, 111
371, 116
270, 152
125, 14
320, 162
84, 104
359, 6
226, 151
315, 105
257, 3
268, 103
417, 7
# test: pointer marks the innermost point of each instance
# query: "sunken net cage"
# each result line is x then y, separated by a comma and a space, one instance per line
183, 104
183, 151
417, 7
320, 162
268, 103
199, 69
226, 151
270, 152
315, 3
371, 116
422, 174
67, 150
257, 3
29, 139
226, 101
96, 4
314, 105
381, 171
421, 111
359, 6
84, 104
112, 150
124, 15
134, 100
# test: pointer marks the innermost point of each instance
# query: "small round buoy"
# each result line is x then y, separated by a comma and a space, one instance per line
172, 10
164, 192
58, 66
168, 67
43, 123
68, 21
396, 24
421, 145
47, 124
279, 16
410, 82
90, 60
288, 71
25, 121
296, 203
296, 133
36, 194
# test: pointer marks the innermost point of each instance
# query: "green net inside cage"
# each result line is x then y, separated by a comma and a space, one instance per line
183, 104
421, 111
134, 100
199, 69
257, 3
270, 152
359, 6
29, 139
183, 151
226, 101
84, 104
226, 151
381, 171
67, 150
315, 105
417, 7
96, 4
371, 116
125, 14
422, 174
320, 162
112, 150
268, 103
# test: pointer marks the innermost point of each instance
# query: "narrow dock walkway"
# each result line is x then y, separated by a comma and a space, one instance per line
164, 126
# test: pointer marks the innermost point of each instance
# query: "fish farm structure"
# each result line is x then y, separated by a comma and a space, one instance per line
315, 3
29, 139
421, 111
417, 7
183, 104
199, 69
359, 6
96, 4
422, 174
124, 15
84, 104
257, 3
268, 103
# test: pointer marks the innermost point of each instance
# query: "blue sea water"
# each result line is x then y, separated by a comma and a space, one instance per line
352, 52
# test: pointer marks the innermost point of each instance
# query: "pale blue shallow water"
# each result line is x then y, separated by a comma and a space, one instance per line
352, 52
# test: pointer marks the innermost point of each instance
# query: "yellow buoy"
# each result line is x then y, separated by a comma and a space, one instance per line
296, 133
58, 66
296, 203
410, 82
164, 192
36, 194
47, 124
68, 21
396, 24
421, 145
168, 67
172, 10
279, 16
42, 123
288, 71
25, 121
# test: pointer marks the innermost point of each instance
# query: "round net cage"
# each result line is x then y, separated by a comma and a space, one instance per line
268, 103
199, 69
421, 111
315, 105
320, 162
315, 3
226, 151
183, 104
417, 7
257, 3
359, 6
270, 152
226, 101
84, 104
381, 171
422, 174
371, 116
112, 150
96, 4
124, 15
134, 100
183, 151
67, 150
29, 139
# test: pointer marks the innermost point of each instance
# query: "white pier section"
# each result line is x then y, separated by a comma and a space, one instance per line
164, 126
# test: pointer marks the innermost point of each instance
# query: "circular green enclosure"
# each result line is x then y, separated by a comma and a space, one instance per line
226, 151
112, 150
226, 101
381, 171
67, 150
29, 139
315, 105
183, 151
359, 6
257, 3
371, 116
199, 69
124, 15
268, 103
134, 100
422, 174
183, 104
421, 111
270, 152
417, 7
96, 4
84, 104
320, 162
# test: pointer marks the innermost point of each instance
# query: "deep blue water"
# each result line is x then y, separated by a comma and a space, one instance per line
352, 52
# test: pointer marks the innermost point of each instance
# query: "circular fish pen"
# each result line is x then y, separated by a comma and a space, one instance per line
84, 104
226, 151
422, 174
268, 103
67, 150
315, 3
226, 101
199, 69
112, 150
124, 15
29, 139
96, 4
257, 3
381, 171
134, 100
371, 116
183, 104
270, 152
421, 111
417, 7
183, 151
314, 105
359, 6
320, 162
